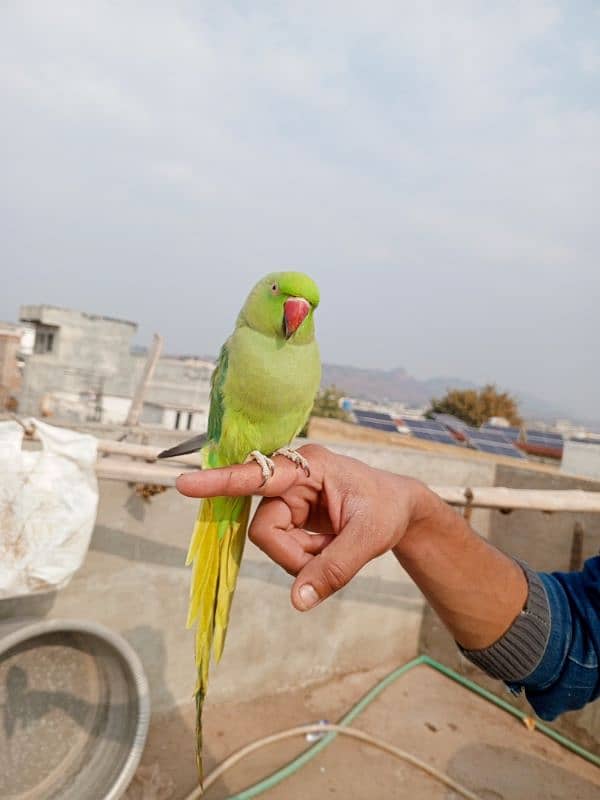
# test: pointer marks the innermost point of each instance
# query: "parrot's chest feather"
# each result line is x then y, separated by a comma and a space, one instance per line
269, 391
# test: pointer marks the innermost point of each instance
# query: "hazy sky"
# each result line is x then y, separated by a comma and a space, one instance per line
434, 166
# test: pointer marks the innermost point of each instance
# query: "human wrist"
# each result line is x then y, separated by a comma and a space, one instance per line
518, 651
429, 514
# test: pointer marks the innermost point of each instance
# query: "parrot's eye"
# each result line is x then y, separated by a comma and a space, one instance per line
274, 288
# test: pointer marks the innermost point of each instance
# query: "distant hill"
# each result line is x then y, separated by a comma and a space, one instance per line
394, 385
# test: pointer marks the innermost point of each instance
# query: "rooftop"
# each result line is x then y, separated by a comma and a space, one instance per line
423, 712
34, 313
10, 329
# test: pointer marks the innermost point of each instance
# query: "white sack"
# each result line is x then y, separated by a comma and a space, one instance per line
48, 502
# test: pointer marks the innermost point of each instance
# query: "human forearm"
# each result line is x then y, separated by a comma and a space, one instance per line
476, 590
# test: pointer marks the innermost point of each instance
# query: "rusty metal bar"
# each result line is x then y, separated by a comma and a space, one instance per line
576, 560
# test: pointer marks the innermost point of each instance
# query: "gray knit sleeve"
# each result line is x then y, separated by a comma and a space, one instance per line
518, 652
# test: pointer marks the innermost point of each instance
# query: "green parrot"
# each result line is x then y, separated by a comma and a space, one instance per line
262, 391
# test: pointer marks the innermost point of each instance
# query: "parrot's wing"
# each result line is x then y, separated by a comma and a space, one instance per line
217, 381
215, 414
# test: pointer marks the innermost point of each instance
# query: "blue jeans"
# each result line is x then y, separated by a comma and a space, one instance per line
568, 675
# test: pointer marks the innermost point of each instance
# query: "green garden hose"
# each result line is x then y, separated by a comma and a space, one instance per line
298, 762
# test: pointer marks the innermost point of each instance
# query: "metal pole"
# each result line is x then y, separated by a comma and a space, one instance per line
576, 560
137, 402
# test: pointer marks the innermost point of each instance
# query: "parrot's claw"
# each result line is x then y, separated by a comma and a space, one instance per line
294, 456
267, 467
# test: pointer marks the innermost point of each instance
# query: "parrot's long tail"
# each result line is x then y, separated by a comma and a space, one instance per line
215, 552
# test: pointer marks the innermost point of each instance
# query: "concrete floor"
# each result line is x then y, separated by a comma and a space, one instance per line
477, 744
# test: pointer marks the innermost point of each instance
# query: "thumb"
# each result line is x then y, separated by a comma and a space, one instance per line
334, 566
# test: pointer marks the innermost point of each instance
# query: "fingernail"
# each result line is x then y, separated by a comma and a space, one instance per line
308, 596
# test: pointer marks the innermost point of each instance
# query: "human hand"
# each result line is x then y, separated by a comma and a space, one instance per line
324, 527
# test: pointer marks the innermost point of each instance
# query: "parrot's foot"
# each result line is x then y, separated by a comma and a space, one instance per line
294, 456
267, 467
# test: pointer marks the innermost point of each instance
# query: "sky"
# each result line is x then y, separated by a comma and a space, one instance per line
434, 166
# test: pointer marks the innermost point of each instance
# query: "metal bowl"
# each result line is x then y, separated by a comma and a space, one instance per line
74, 711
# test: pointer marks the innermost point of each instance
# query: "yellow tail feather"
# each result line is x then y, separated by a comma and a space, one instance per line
232, 547
215, 552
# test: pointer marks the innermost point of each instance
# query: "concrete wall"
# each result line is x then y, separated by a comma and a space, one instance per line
10, 377
581, 458
154, 415
181, 383
199, 420
70, 406
88, 350
543, 540
91, 353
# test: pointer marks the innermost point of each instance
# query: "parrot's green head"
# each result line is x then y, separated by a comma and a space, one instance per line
282, 304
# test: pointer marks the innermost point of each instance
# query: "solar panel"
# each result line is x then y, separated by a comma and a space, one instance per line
492, 441
544, 438
376, 420
485, 434
378, 425
423, 424
497, 448
510, 433
450, 421
429, 429
366, 412
545, 434
551, 444
435, 436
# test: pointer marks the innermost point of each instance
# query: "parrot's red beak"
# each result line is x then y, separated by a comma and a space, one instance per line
295, 311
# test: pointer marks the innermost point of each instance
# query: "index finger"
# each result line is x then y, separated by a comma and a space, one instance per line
239, 480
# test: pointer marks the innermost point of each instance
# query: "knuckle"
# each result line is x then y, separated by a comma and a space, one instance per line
253, 533
313, 451
380, 546
334, 575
